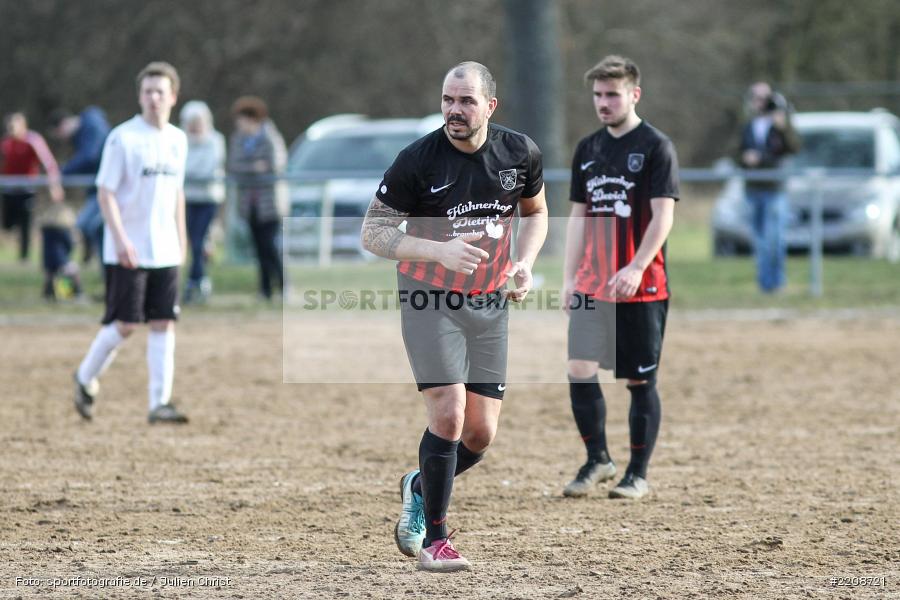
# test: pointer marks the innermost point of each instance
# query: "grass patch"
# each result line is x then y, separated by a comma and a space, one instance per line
698, 281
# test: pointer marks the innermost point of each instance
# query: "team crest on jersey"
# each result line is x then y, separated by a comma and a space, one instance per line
507, 179
635, 162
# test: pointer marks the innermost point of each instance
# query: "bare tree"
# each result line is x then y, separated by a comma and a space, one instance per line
313, 58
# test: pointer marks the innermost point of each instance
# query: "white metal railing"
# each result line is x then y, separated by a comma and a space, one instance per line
686, 175
817, 176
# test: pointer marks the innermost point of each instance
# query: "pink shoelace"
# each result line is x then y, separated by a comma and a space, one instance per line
444, 550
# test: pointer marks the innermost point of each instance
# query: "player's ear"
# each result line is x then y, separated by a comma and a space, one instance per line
636, 93
492, 106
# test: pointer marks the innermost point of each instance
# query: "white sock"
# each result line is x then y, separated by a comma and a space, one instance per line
161, 366
100, 355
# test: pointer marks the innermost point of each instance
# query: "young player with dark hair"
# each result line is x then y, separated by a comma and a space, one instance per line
623, 192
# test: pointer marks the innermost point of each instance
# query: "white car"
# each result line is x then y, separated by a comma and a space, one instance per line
344, 156
861, 201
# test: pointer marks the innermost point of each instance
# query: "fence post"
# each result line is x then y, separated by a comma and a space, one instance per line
326, 225
816, 233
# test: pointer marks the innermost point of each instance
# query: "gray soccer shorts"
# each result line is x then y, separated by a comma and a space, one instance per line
453, 338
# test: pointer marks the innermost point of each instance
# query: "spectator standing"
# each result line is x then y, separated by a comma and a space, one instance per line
23, 152
87, 132
256, 155
766, 139
203, 191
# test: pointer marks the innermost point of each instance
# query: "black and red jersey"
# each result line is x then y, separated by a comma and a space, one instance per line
615, 178
448, 193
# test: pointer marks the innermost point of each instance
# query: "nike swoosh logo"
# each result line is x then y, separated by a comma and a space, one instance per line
500, 388
584, 166
435, 190
645, 369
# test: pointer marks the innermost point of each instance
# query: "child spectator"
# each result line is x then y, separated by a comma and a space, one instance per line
61, 278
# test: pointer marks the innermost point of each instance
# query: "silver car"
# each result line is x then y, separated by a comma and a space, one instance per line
341, 159
860, 153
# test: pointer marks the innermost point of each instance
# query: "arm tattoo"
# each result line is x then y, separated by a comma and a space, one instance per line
379, 231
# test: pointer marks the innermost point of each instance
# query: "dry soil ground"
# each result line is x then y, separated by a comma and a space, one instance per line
775, 472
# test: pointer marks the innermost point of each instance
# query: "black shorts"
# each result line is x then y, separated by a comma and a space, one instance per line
625, 337
141, 295
451, 338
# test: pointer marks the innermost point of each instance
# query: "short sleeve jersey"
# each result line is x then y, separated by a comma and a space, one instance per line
144, 167
448, 193
615, 178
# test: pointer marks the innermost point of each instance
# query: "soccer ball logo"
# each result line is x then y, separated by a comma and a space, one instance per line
507, 179
348, 300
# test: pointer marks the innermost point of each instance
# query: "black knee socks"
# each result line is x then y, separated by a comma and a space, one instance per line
437, 464
589, 409
465, 460
643, 421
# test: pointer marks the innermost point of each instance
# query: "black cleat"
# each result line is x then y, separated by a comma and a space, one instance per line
166, 413
84, 400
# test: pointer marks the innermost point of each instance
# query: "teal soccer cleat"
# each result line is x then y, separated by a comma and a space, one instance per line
410, 530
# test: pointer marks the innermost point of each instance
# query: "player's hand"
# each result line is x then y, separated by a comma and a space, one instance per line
56, 193
567, 292
126, 254
626, 281
751, 158
520, 273
461, 256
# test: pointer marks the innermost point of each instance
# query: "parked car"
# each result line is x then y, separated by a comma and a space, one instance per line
345, 156
861, 212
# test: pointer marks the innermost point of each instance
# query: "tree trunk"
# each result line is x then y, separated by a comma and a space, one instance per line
535, 96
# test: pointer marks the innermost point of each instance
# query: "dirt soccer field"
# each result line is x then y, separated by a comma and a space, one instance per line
775, 475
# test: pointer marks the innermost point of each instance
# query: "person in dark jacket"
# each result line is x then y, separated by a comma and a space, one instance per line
257, 154
87, 131
766, 139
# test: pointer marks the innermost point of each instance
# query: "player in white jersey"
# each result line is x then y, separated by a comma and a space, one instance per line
141, 185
